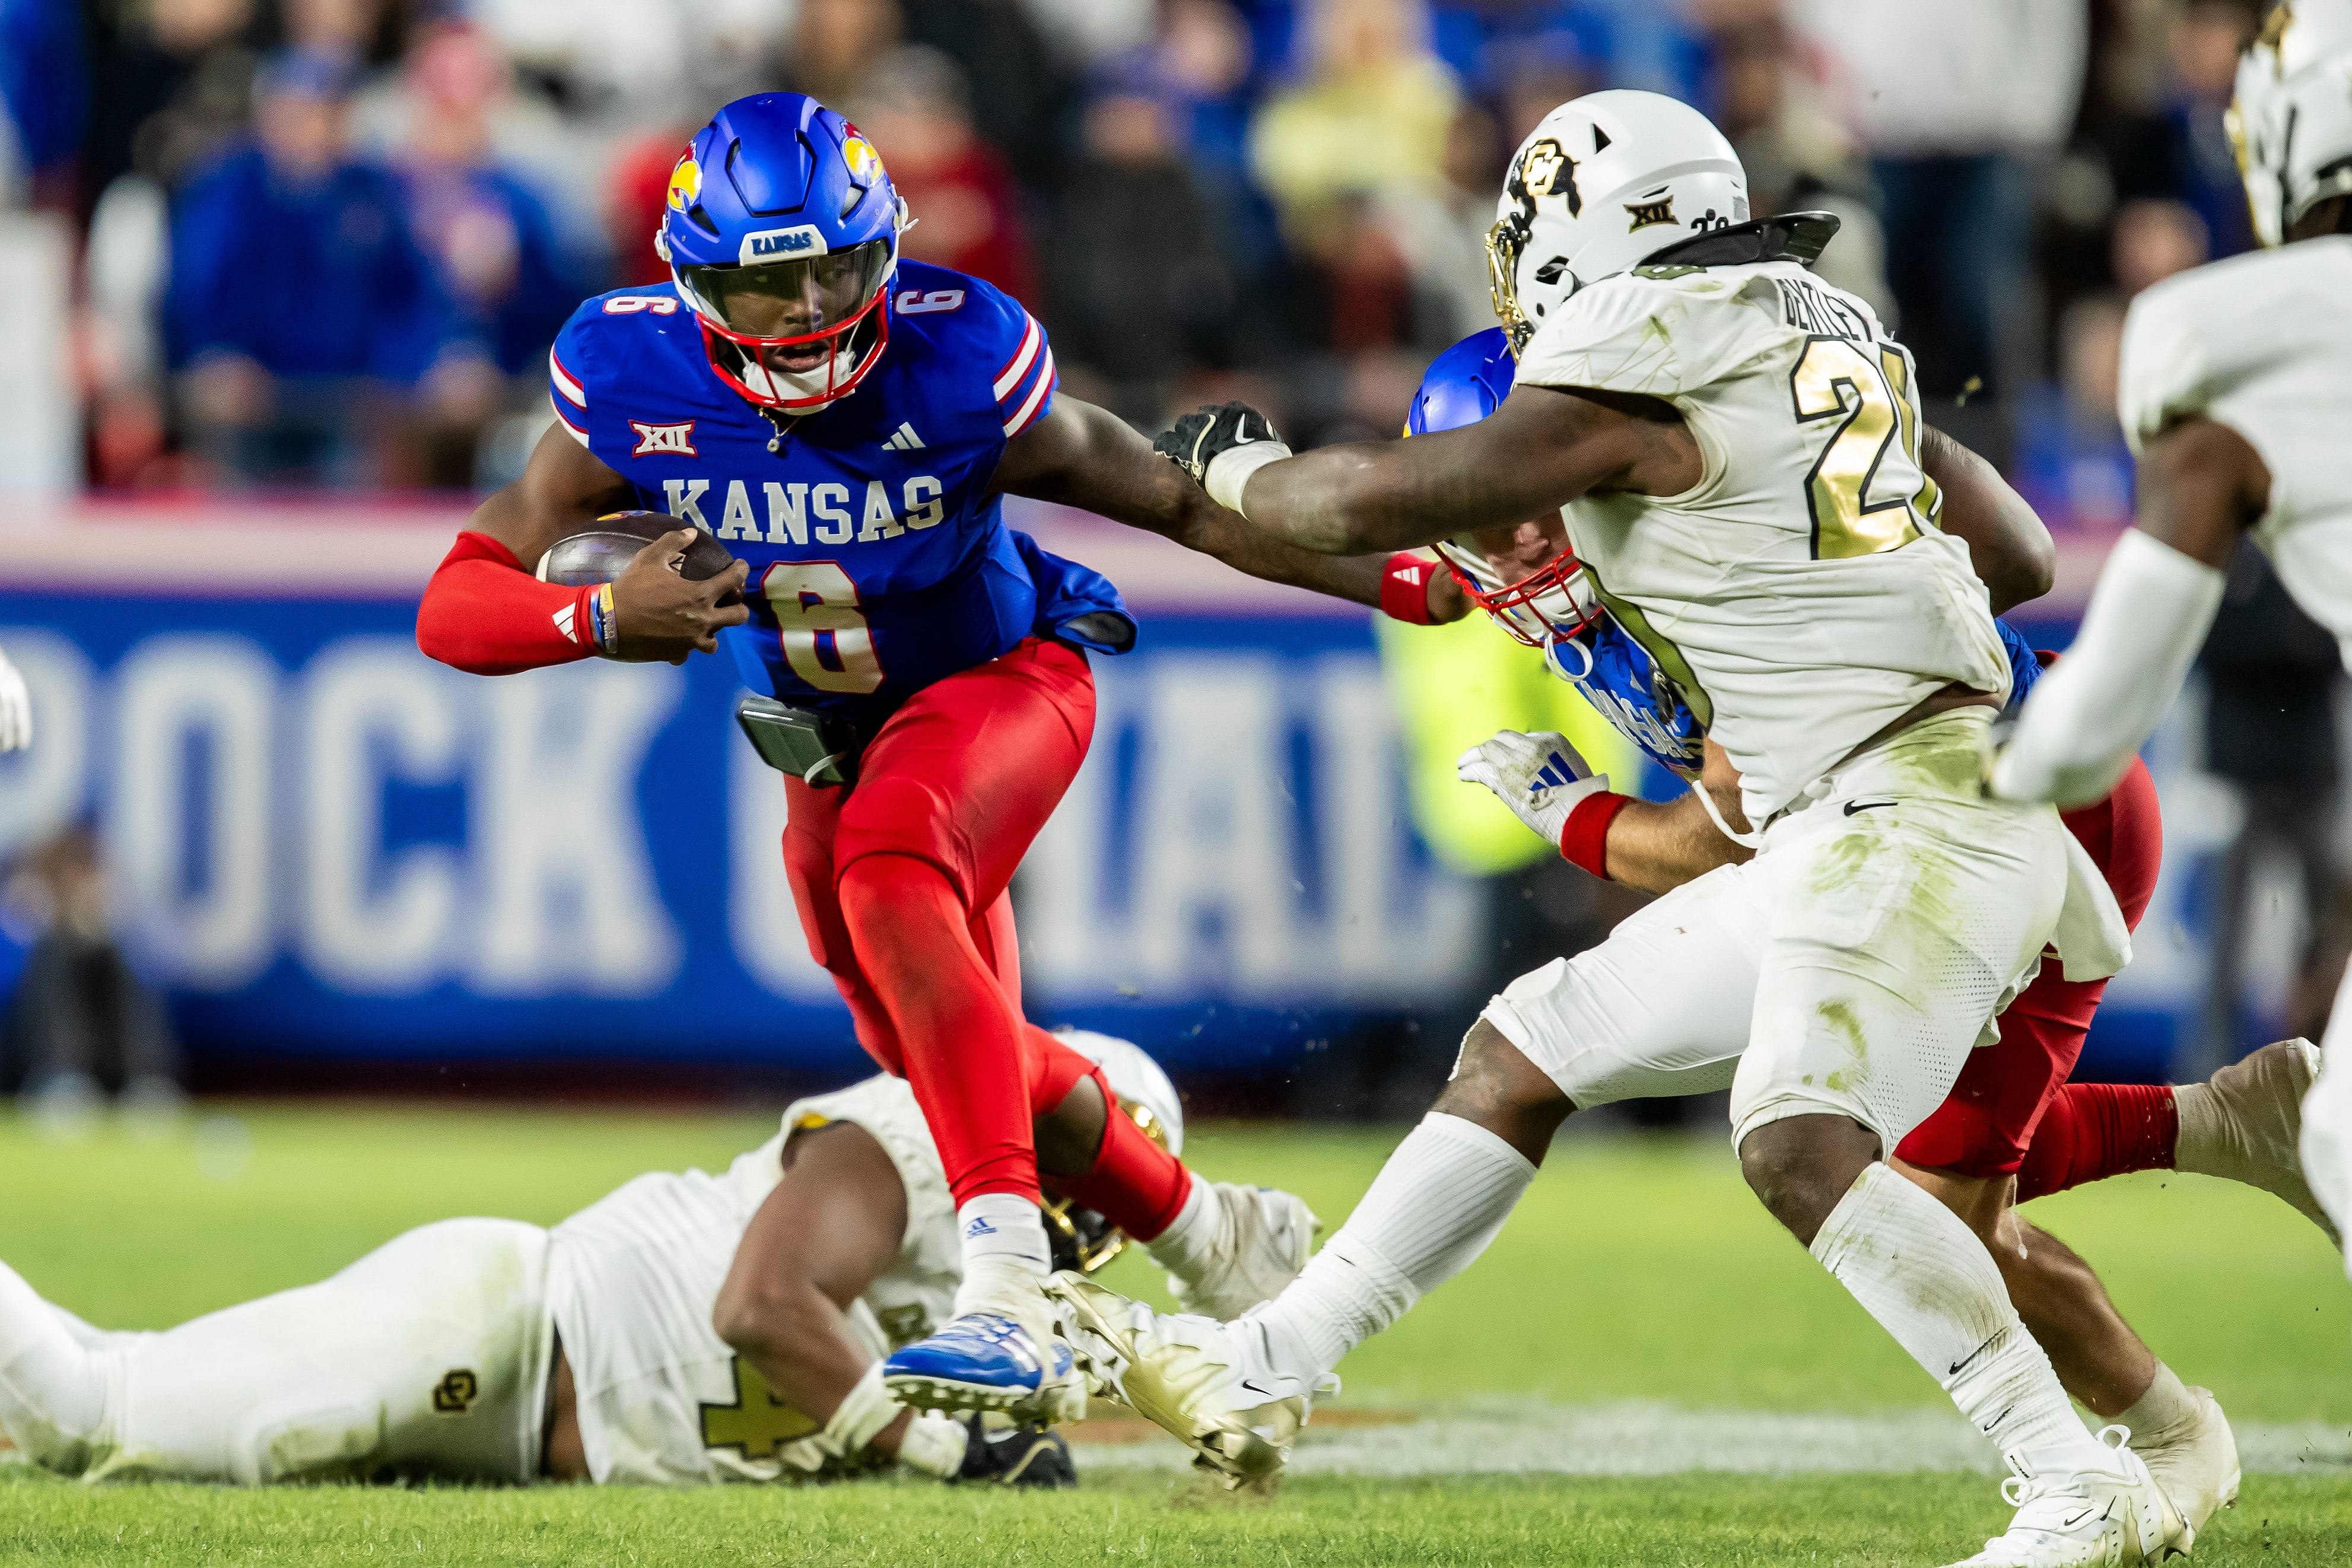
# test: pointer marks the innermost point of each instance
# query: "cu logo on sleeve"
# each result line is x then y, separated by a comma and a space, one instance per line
455, 1393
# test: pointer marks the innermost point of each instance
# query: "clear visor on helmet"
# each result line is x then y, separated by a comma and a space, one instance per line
1554, 600
778, 301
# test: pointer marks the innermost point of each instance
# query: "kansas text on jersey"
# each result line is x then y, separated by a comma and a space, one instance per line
880, 562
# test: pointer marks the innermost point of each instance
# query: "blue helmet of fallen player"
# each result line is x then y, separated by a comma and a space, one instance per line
782, 229
1553, 605
1534, 600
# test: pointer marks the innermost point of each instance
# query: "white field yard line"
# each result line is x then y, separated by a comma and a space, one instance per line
1532, 1436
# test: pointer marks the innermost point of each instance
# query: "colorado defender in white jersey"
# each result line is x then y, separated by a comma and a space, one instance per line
2236, 392
1738, 454
687, 1329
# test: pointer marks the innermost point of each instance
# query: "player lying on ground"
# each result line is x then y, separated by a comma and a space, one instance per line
1739, 453
2235, 389
847, 423
687, 1329
2011, 1121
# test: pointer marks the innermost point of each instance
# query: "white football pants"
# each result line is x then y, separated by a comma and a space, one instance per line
427, 1357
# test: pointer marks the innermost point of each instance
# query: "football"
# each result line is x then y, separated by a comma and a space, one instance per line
602, 552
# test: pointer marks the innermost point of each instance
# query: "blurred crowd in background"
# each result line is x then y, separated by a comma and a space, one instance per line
327, 242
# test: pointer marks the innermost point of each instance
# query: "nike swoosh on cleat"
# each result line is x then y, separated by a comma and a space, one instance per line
1253, 1388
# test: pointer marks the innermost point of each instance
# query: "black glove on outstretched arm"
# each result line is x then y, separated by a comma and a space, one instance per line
1233, 431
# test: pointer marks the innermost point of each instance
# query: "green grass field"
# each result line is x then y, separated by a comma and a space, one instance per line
1640, 1315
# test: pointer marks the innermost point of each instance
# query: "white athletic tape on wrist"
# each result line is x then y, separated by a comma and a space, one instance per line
934, 1444
2099, 704
1229, 471
863, 1411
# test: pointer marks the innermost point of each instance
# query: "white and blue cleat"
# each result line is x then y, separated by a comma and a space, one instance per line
988, 1361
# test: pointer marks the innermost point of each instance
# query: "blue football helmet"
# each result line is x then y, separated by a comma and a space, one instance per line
1462, 386
1554, 607
782, 229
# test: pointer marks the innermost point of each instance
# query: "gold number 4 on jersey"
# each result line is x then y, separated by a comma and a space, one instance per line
1866, 494
756, 1422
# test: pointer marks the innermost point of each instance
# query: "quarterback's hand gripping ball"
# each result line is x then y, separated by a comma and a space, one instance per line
1220, 448
1539, 777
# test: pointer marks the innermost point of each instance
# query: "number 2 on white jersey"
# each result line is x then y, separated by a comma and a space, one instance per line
826, 640
1867, 493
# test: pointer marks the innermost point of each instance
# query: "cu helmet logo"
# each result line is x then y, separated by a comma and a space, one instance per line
1546, 165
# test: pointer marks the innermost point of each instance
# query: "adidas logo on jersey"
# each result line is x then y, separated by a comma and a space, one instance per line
1556, 775
904, 439
562, 619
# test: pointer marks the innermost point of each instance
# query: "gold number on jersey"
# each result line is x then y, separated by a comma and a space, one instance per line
1869, 394
756, 1422
826, 640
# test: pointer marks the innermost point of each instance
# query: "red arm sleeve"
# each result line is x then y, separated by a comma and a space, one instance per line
483, 613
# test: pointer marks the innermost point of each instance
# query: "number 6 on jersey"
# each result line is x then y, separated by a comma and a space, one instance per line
825, 638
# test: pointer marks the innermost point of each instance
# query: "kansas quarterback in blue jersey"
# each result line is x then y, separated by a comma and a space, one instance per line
847, 423
880, 560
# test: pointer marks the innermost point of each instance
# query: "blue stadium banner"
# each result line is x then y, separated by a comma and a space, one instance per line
328, 846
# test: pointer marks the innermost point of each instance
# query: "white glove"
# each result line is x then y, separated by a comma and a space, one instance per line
16, 709
1539, 777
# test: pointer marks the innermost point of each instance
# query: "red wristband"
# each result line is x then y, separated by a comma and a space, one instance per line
1404, 587
1584, 837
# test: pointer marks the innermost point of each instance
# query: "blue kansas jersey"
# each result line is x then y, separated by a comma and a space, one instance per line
880, 562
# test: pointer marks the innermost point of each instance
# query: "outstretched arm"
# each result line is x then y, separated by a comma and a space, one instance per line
1659, 848
1542, 448
2008, 544
1087, 458
815, 1245
2202, 486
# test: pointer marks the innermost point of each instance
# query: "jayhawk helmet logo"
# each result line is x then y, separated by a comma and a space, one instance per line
686, 182
865, 164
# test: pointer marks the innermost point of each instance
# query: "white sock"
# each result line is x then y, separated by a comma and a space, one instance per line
1929, 1281
1192, 1240
1435, 1206
2166, 1403
52, 1392
1005, 1251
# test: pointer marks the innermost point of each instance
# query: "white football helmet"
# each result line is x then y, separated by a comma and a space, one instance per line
2292, 120
1604, 182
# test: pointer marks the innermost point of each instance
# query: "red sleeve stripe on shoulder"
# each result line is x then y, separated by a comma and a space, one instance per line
1036, 403
1017, 367
566, 381
571, 426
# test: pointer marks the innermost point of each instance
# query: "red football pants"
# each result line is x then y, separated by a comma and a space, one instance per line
900, 880
1985, 1124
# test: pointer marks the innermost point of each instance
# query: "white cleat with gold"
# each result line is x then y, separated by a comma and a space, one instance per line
2196, 1463
1209, 1385
2112, 1517
2243, 1123
1264, 1238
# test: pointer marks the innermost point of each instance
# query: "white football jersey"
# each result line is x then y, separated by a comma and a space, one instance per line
1800, 593
2263, 344
633, 1277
